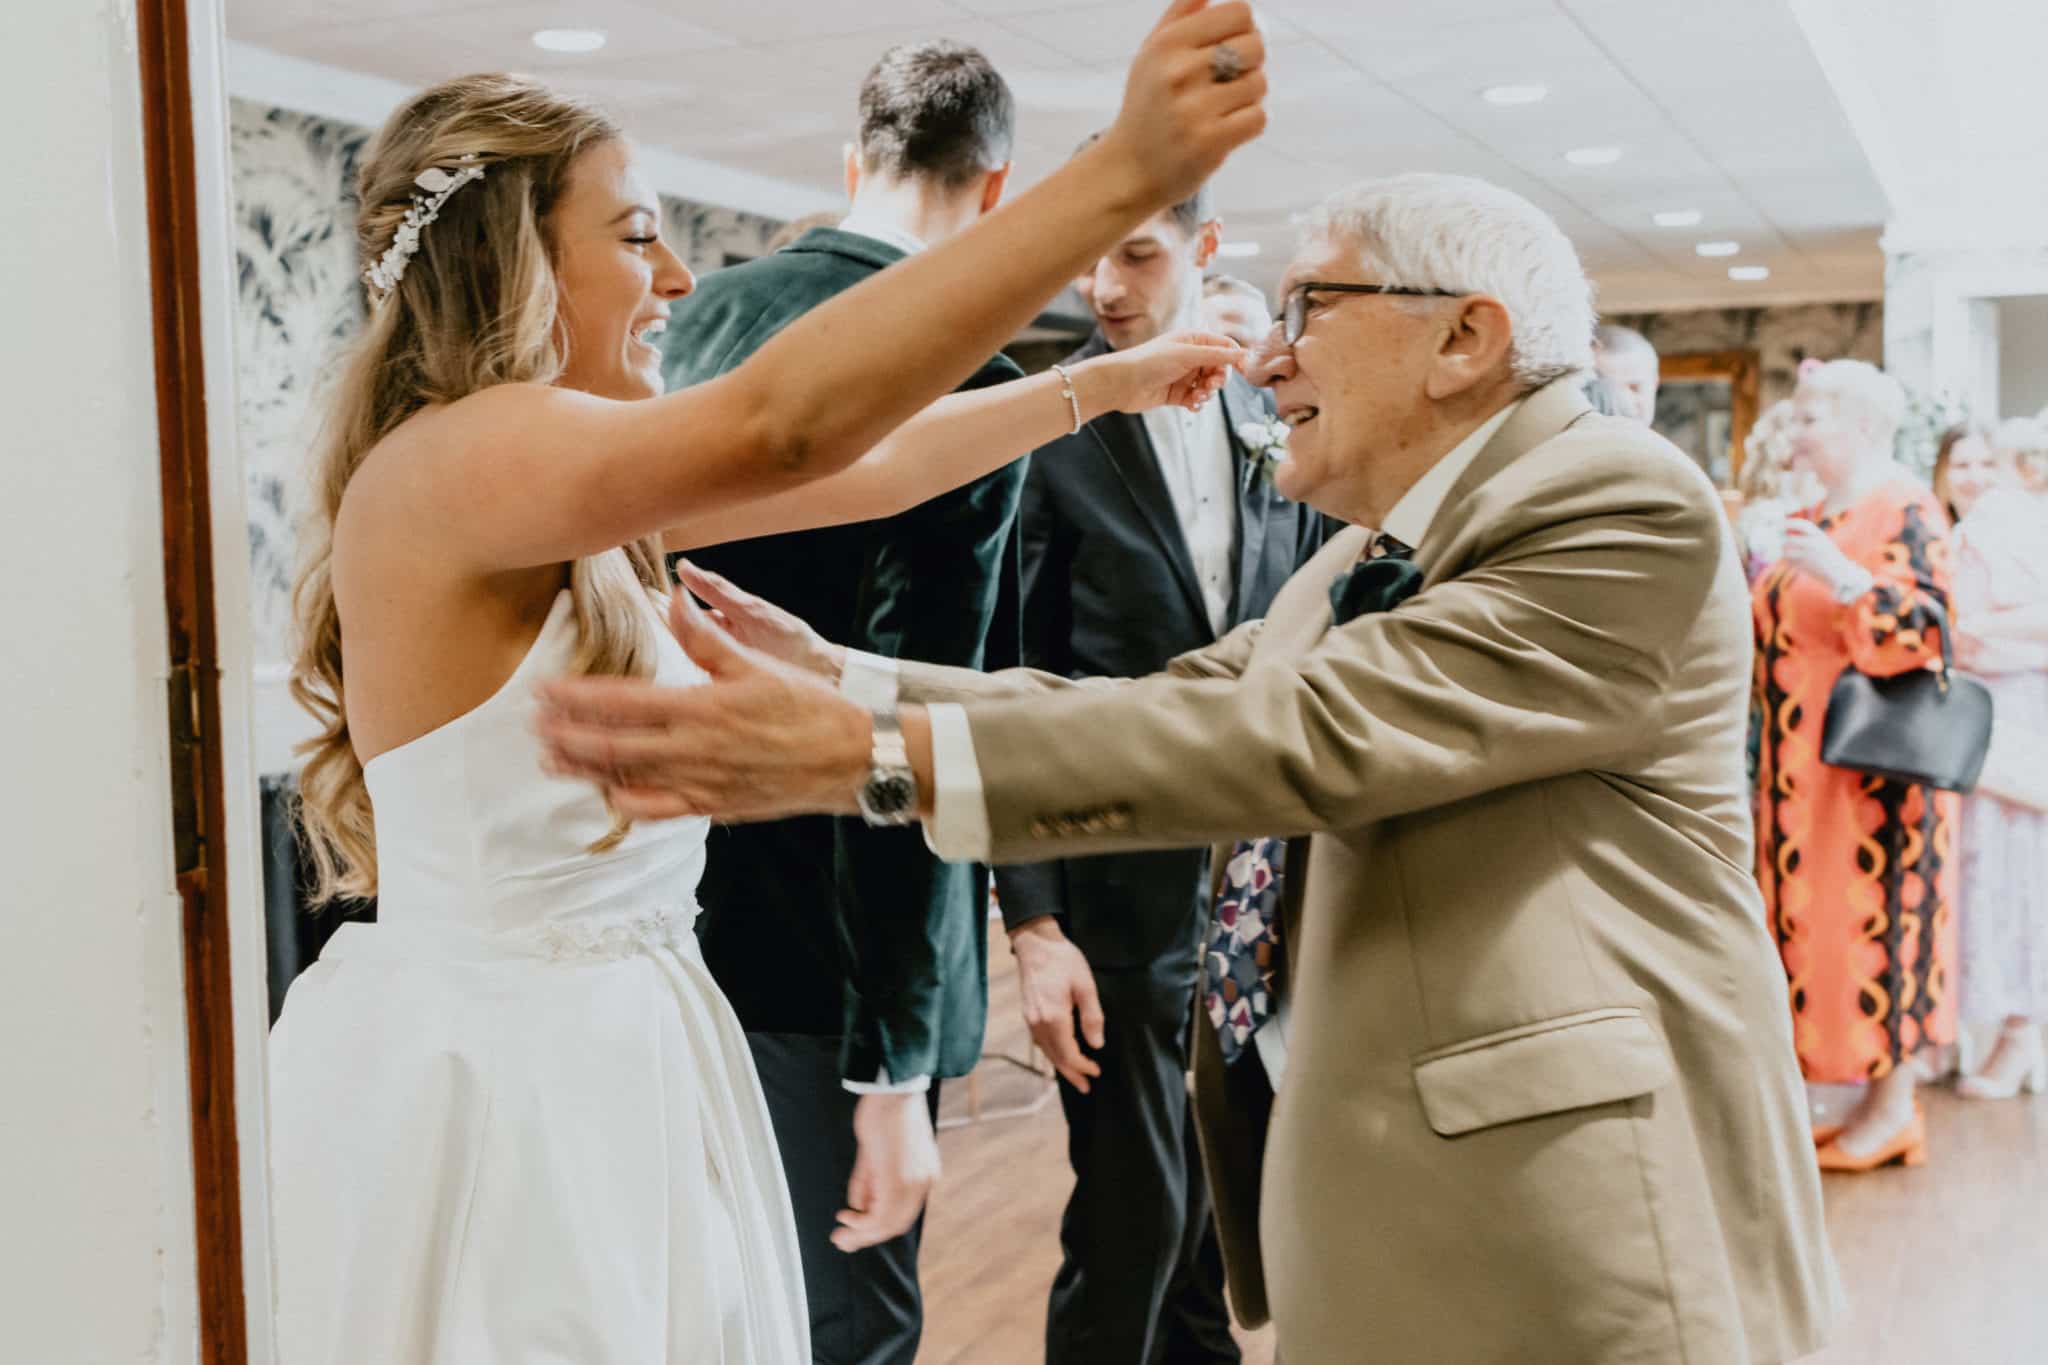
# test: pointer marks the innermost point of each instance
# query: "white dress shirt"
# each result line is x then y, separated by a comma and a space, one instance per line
1195, 458
883, 231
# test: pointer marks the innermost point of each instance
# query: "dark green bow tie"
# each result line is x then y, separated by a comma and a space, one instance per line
1383, 579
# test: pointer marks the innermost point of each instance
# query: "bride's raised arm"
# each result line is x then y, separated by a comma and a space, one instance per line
548, 474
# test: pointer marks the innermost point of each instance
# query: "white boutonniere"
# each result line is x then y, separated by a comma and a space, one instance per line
1265, 444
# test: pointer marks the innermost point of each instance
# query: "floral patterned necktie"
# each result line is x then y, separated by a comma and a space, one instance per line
1241, 963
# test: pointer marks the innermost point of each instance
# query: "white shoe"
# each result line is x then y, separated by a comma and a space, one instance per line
2002, 1079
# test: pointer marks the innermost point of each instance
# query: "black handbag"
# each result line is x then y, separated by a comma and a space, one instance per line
1923, 726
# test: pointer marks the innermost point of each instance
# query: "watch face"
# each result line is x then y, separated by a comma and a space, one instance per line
890, 794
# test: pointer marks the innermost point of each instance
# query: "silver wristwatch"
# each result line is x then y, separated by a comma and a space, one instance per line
888, 795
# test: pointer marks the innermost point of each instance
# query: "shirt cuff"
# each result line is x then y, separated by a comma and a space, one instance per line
1271, 1041
882, 1085
958, 828
873, 680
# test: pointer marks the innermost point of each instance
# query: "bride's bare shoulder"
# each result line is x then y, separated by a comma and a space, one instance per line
439, 439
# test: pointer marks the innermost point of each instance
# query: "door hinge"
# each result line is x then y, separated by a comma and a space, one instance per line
188, 772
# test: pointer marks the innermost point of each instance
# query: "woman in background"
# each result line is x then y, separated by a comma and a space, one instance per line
1857, 871
1772, 487
2001, 588
1964, 460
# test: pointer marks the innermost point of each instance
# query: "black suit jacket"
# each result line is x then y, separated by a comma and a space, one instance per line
1110, 591
820, 925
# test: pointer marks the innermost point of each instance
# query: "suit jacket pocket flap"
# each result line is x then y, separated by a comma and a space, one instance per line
1575, 1060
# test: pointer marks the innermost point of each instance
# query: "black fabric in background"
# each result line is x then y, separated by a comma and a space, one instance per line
293, 934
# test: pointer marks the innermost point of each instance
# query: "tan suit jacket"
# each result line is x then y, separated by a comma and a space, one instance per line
1541, 1102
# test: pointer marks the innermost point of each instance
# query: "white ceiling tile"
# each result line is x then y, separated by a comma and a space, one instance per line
1720, 106
771, 21
642, 28
849, 57
1401, 16
1107, 33
255, 20
409, 50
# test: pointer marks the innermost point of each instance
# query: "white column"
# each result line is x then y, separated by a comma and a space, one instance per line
96, 1240
1942, 295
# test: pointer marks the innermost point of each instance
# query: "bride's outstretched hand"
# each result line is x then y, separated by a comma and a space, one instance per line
1180, 369
1196, 93
756, 622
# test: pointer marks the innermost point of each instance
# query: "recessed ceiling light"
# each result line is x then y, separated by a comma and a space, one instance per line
1749, 274
1718, 248
1238, 250
1515, 94
1678, 218
568, 40
1593, 156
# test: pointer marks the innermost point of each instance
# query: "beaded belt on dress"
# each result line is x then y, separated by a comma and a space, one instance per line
606, 940
569, 939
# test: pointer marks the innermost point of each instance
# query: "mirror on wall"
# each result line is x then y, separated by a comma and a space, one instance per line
1706, 404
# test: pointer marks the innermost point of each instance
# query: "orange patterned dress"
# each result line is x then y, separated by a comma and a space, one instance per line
1859, 873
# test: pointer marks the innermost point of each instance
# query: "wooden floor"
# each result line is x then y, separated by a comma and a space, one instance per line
1945, 1264
992, 1236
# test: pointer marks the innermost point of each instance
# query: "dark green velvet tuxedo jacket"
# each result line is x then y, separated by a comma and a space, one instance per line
820, 925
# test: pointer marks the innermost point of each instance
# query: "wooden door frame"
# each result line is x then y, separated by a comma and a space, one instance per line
194, 712
1742, 371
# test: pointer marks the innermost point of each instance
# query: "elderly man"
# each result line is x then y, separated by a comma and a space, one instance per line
1627, 362
1237, 308
1489, 895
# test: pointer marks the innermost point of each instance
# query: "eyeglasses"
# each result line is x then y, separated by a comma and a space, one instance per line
1294, 316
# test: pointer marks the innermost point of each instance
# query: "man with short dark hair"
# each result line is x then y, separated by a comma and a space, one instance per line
1144, 536
855, 960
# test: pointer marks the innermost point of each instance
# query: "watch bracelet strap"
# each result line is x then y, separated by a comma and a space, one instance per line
889, 749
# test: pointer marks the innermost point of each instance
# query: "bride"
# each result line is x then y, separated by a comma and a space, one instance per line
514, 1120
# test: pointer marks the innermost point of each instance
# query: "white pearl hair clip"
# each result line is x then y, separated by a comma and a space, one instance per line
435, 185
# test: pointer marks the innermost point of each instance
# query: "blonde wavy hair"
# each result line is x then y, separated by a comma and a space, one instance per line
477, 307
1767, 470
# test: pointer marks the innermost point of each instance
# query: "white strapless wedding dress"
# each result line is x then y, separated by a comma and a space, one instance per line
514, 1121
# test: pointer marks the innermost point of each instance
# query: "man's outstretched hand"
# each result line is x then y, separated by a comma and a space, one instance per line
763, 740
757, 623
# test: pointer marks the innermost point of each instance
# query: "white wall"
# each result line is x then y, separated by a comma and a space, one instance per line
95, 1201
2022, 355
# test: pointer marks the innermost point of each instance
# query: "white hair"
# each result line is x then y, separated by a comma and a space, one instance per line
1860, 389
1454, 232
1614, 339
2024, 441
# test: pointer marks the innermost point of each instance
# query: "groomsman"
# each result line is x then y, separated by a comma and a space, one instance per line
1143, 536
855, 960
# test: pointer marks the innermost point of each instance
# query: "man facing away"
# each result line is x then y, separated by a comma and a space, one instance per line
854, 959
1478, 778
1144, 536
